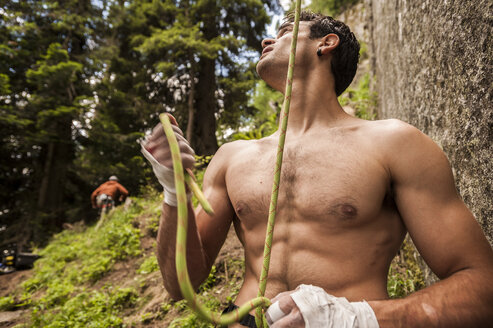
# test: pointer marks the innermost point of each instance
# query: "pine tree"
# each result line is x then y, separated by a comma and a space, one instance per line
48, 42
192, 51
55, 104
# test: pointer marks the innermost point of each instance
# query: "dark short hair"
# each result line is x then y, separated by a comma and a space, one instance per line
345, 57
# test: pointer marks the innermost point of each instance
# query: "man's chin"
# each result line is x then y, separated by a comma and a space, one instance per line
267, 73
262, 69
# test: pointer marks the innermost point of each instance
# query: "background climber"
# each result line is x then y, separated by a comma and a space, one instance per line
110, 189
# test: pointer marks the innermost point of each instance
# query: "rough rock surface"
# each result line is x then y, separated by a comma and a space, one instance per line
433, 62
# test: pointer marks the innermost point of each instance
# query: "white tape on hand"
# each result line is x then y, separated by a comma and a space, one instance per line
321, 310
274, 313
165, 177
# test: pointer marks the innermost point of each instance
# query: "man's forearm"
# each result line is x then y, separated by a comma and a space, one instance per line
462, 300
166, 249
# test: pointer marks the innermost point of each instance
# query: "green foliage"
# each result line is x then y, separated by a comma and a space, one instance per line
7, 303
361, 99
55, 71
331, 7
4, 84
57, 291
405, 275
210, 281
96, 308
149, 265
363, 50
201, 163
188, 318
267, 103
265, 129
220, 288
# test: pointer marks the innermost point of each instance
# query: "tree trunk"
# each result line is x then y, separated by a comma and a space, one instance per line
52, 186
45, 182
191, 96
205, 120
205, 123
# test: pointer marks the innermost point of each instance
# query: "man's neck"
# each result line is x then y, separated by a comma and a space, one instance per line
314, 106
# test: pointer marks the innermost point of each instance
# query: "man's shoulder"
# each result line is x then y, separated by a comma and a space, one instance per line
394, 132
238, 147
391, 125
401, 144
230, 151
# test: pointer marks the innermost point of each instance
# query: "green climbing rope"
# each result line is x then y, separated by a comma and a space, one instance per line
186, 287
259, 317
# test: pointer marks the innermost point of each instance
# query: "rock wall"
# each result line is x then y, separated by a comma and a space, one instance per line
433, 61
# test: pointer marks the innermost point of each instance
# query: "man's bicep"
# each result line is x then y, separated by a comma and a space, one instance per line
442, 227
213, 229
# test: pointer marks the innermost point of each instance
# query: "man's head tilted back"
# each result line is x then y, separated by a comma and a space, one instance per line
337, 47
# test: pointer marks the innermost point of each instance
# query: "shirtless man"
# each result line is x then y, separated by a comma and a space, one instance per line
349, 191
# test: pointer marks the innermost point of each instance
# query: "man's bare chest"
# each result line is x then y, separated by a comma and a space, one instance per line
324, 182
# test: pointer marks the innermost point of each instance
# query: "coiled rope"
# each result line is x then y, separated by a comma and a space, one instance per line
260, 302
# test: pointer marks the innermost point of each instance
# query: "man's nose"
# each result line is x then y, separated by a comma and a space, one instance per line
267, 42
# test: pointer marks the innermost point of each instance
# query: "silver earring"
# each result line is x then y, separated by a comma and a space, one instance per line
319, 52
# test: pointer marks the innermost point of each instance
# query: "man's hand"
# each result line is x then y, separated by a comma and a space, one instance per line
157, 145
311, 307
284, 312
157, 151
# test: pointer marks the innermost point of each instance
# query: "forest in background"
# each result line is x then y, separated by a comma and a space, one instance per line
82, 82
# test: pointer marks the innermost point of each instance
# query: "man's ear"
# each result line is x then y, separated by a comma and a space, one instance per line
328, 43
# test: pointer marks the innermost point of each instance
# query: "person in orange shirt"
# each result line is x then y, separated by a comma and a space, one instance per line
111, 189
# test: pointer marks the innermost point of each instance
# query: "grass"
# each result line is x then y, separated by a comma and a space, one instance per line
225, 278
59, 293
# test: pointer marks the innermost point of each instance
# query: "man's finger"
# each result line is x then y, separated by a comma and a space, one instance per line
151, 146
162, 155
188, 161
186, 149
274, 313
172, 119
278, 296
157, 132
181, 138
293, 320
177, 130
